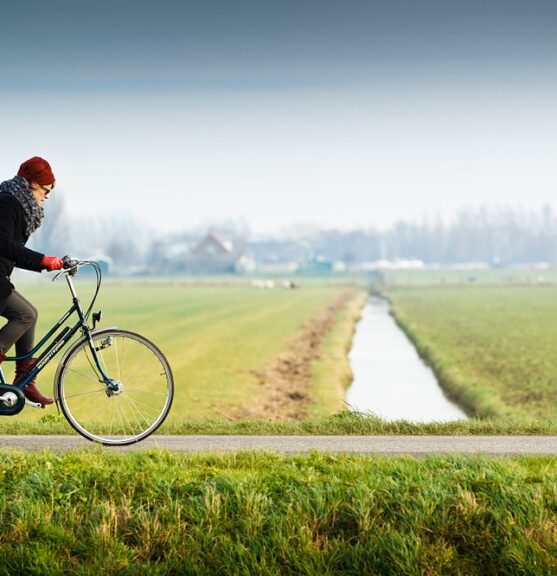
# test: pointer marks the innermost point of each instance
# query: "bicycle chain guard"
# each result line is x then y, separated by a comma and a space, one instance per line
12, 400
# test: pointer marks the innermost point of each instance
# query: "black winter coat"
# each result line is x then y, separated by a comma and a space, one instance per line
12, 244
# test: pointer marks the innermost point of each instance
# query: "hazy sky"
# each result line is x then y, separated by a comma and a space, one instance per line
337, 113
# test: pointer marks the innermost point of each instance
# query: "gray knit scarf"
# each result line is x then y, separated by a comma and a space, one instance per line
20, 189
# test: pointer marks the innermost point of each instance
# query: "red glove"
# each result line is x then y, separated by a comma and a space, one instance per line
52, 263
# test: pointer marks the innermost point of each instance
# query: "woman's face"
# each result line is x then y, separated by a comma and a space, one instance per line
40, 193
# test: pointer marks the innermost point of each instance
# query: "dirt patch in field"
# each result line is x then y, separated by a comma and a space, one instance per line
286, 379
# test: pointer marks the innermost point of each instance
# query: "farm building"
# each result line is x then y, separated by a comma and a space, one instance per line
105, 262
317, 266
213, 255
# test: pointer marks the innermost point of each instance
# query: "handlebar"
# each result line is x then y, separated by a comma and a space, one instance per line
70, 262
70, 269
71, 265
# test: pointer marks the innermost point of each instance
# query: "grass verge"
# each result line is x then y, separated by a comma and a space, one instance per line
89, 512
336, 424
331, 373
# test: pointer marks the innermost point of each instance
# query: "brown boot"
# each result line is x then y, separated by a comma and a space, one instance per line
31, 391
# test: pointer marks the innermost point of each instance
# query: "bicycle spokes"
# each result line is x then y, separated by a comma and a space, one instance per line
133, 401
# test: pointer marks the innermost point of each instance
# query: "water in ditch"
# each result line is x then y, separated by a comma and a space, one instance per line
390, 379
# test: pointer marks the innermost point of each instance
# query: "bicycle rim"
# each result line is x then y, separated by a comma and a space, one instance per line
140, 405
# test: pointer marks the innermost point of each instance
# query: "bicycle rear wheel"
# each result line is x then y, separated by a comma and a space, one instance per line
139, 405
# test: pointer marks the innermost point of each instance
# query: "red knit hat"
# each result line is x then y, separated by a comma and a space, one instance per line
37, 170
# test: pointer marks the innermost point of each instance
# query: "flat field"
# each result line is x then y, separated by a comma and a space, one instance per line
215, 337
469, 277
493, 347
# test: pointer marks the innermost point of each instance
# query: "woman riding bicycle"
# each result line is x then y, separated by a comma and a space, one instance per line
21, 213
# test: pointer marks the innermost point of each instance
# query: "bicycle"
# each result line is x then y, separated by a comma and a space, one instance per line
113, 386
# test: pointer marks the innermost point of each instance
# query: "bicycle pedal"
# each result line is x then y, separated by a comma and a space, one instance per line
33, 404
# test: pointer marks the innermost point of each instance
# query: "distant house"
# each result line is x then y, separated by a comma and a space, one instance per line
105, 262
317, 266
213, 255
212, 246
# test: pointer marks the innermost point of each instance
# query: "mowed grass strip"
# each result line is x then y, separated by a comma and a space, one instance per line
213, 336
339, 423
90, 512
493, 348
331, 373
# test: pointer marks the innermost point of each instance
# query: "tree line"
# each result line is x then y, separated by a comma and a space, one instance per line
496, 236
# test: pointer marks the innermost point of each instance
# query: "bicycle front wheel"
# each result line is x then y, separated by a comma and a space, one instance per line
131, 412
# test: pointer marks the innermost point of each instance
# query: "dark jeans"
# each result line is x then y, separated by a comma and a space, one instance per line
20, 329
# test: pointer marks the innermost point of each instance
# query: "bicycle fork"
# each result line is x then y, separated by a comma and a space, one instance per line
112, 387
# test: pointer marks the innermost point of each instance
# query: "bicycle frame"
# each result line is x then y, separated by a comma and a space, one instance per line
59, 341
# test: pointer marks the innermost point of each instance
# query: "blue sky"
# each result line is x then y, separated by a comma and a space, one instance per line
338, 114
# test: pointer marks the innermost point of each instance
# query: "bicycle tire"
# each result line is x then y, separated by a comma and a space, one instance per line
133, 413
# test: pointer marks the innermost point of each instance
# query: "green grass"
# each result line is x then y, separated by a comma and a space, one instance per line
331, 373
214, 336
459, 277
494, 349
340, 423
90, 512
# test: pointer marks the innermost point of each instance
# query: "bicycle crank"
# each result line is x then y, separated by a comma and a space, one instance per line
12, 400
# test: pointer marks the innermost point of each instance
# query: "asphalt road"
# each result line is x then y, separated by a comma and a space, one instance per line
380, 445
